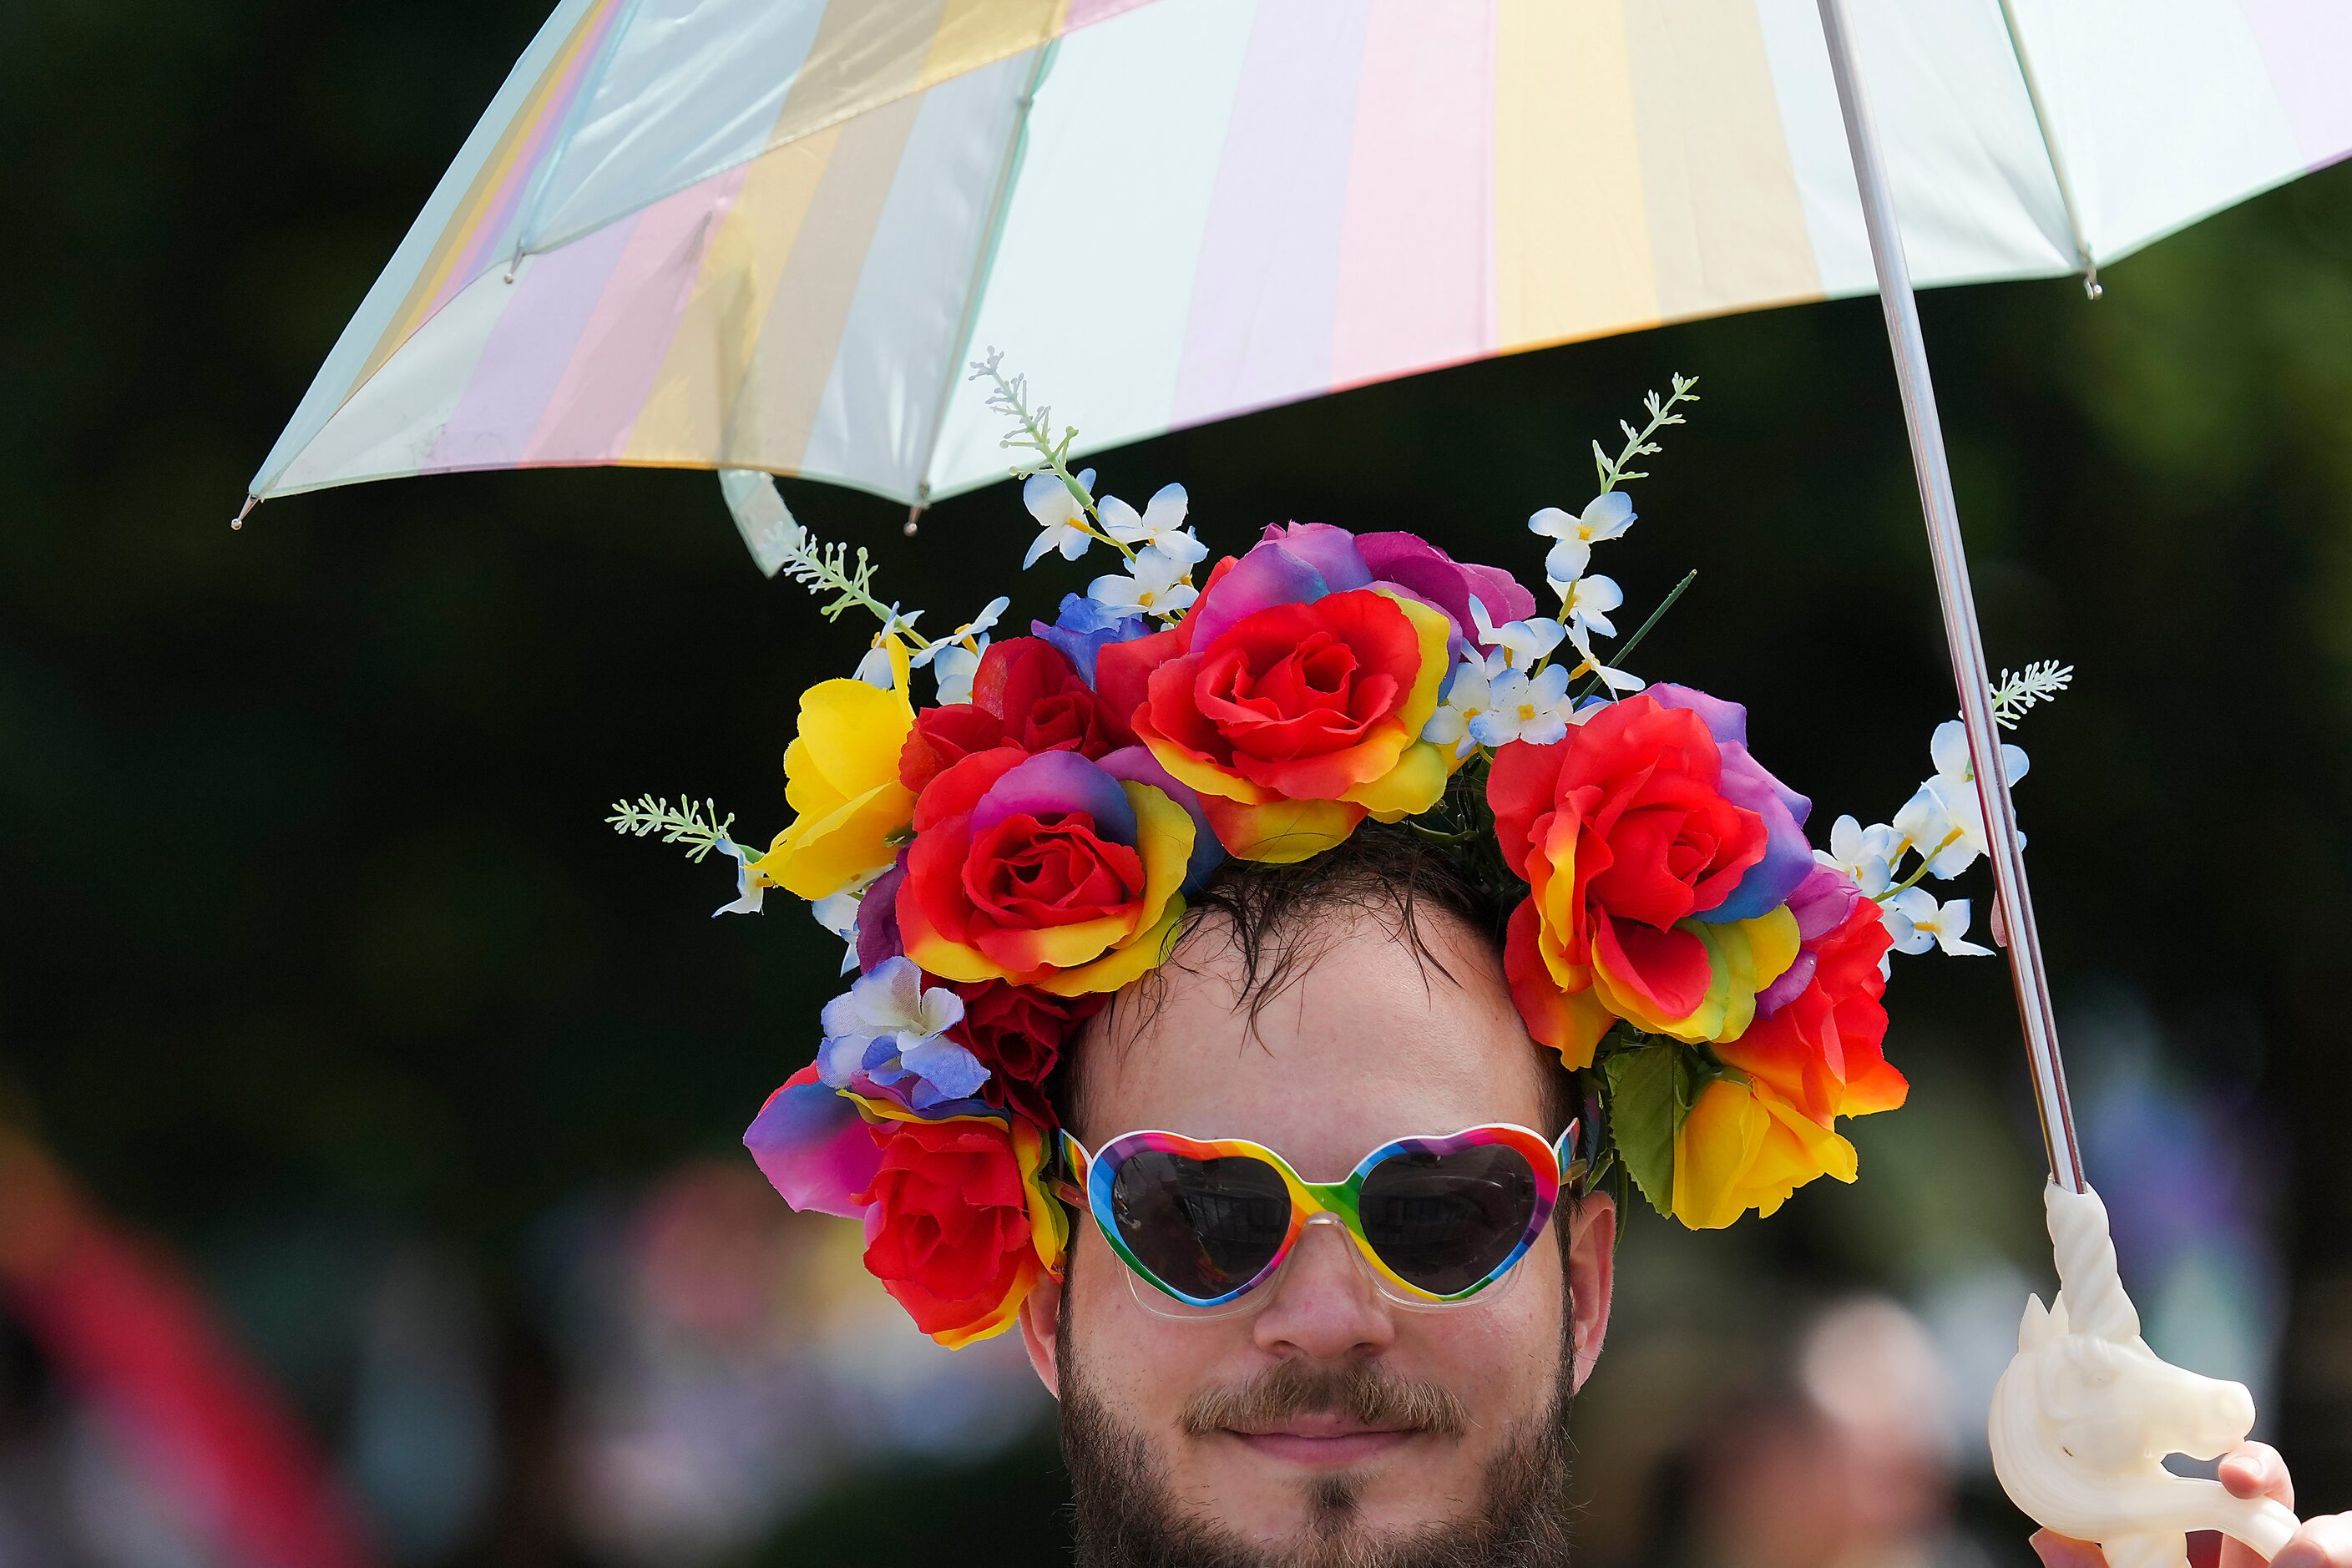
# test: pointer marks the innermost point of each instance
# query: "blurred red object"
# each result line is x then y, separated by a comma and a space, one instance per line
130, 1334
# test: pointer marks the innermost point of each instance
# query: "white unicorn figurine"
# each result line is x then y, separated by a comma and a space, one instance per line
2082, 1418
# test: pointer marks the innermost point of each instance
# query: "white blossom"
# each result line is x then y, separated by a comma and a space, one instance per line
1606, 516
837, 912
1466, 699
1917, 922
875, 668
1519, 645
953, 666
1944, 820
955, 659
1586, 602
749, 888
1615, 679
1059, 515
1160, 525
1155, 583
1866, 854
1523, 707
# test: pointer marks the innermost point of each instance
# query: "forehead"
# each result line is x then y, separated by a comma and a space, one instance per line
1369, 1040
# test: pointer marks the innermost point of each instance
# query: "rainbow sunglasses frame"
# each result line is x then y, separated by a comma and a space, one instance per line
1088, 1178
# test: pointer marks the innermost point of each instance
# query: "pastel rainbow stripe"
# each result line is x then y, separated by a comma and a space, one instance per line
768, 234
1097, 1175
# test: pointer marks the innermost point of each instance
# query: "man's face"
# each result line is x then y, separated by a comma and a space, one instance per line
1248, 1431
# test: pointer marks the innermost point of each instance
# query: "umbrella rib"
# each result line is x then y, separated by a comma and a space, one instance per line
2090, 266
543, 177
983, 260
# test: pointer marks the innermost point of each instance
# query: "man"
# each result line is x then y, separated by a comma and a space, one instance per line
1322, 1011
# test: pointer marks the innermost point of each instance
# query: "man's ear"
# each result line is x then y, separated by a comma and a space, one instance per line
1592, 1275
1041, 1330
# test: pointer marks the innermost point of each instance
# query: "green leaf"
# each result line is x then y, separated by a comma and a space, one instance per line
1650, 1092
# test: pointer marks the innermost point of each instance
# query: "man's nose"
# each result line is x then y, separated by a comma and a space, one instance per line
1325, 1304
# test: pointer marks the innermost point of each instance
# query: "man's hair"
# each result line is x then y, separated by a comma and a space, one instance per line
1278, 919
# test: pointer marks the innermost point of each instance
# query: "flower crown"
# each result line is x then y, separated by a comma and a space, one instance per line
1001, 860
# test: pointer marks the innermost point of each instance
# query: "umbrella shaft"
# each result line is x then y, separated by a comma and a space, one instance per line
2015, 903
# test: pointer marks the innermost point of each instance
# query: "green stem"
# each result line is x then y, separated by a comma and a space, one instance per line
1625, 650
1911, 881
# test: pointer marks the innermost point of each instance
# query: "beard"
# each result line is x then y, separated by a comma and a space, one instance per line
1128, 1518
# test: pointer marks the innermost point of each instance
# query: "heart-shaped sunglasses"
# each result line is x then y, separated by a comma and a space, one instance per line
1206, 1221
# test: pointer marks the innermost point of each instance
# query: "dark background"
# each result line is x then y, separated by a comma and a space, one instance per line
313, 946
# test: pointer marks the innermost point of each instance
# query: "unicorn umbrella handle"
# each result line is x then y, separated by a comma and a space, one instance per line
2086, 1413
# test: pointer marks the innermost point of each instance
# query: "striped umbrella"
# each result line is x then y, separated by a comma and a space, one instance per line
765, 235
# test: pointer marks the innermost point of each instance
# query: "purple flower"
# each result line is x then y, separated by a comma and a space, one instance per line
888, 1034
1413, 565
878, 919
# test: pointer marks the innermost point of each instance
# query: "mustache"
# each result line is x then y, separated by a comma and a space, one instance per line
1359, 1391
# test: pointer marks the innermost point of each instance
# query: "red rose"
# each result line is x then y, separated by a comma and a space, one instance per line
1044, 704
949, 1232
1821, 1048
1019, 1034
1622, 835
943, 737
1026, 693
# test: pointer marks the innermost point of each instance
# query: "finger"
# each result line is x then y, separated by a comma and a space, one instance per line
2321, 1543
2255, 1469
2059, 1552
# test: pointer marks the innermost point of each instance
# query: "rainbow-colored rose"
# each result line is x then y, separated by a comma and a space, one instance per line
1292, 698
1658, 857
1052, 870
958, 1226
1818, 1031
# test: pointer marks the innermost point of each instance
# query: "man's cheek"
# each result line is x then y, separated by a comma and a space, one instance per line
1501, 1359
1143, 1367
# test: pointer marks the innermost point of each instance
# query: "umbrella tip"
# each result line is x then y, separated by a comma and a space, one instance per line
915, 512
2091, 286
237, 522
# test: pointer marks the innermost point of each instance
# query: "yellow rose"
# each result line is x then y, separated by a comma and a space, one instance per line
841, 775
1743, 1147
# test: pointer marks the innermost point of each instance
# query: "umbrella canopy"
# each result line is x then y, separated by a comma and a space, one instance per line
768, 234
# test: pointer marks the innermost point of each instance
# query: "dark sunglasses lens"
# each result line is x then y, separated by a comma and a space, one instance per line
1204, 1226
1444, 1222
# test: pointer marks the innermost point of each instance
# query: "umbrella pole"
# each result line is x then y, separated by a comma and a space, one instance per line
2013, 908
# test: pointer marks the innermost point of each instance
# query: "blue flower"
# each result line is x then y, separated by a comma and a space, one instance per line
888, 1029
1085, 628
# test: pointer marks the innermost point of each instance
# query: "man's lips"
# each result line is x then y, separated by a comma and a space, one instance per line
1323, 1440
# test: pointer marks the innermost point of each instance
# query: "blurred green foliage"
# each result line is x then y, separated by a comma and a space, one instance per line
308, 906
